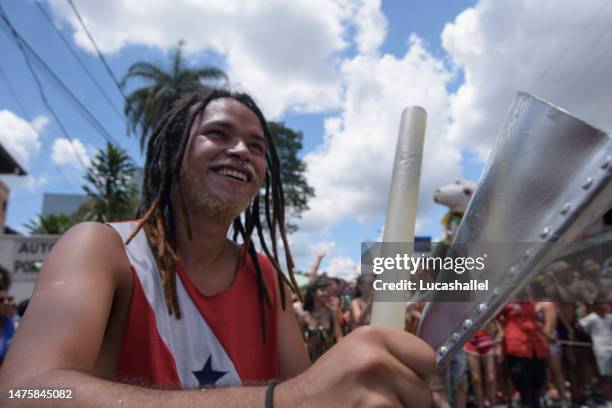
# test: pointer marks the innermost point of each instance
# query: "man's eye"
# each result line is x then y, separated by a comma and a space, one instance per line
216, 134
257, 147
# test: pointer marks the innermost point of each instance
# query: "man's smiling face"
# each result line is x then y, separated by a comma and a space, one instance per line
224, 164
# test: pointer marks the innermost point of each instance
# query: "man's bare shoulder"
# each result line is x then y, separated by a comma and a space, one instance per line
90, 246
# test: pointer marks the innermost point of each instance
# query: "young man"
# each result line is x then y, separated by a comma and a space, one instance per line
108, 308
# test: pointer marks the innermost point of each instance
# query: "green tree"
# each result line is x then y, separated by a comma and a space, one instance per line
145, 106
110, 187
51, 224
288, 143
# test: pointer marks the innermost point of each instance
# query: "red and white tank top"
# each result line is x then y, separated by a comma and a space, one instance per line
218, 340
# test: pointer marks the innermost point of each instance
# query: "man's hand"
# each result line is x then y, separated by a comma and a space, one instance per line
371, 367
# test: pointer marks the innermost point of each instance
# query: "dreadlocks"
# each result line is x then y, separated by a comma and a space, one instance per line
165, 152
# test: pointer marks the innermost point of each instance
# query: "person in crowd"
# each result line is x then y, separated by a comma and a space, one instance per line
547, 313
361, 304
322, 321
345, 297
526, 349
7, 313
174, 301
480, 353
336, 299
457, 381
598, 324
574, 355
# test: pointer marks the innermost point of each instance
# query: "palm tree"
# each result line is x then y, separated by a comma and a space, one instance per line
111, 188
145, 106
51, 224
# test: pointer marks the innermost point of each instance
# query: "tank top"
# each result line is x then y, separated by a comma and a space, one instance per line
218, 339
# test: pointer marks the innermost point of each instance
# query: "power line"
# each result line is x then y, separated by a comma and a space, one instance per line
43, 96
27, 51
28, 118
108, 69
79, 60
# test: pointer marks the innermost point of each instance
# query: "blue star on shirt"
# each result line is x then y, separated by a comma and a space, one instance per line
208, 376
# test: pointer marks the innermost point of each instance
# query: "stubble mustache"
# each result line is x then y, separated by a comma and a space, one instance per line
200, 199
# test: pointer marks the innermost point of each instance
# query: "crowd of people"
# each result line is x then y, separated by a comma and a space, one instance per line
534, 353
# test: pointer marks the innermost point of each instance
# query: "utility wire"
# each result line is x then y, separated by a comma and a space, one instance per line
43, 96
108, 69
79, 60
28, 118
29, 52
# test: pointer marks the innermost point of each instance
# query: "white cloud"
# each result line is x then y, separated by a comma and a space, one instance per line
371, 26
28, 182
342, 267
558, 50
351, 171
286, 53
20, 138
70, 153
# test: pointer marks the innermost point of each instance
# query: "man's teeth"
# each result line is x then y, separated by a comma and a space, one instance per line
233, 173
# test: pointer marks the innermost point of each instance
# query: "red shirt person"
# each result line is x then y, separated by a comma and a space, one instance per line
526, 349
523, 336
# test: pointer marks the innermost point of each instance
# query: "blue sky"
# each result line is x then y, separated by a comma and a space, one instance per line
339, 71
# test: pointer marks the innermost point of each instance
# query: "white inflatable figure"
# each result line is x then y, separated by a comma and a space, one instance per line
456, 197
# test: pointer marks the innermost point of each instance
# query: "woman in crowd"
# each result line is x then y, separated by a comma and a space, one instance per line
321, 321
480, 351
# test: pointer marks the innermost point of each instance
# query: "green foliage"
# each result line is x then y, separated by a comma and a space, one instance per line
145, 106
288, 143
111, 189
51, 224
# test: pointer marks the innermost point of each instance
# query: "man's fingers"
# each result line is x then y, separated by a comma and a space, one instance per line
409, 387
412, 352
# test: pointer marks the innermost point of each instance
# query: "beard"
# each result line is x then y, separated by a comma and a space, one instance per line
199, 199
214, 205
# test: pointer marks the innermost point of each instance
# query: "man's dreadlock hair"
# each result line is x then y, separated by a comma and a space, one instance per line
165, 152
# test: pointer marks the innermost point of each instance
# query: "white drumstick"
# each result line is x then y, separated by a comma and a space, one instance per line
403, 199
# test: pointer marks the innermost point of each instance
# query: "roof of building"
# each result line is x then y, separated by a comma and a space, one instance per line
8, 165
57, 203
